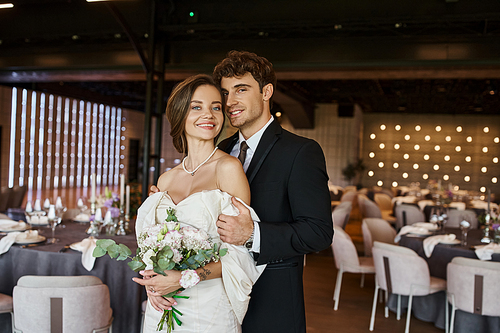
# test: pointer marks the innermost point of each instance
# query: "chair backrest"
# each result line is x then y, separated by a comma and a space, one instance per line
348, 196
71, 213
5, 193
376, 229
336, 196
343, 248
384, 201
423, 203
77, 303
17, 196
456, 216
474, 284
368, 208
408, 214
341, 213
404, 268
458, 205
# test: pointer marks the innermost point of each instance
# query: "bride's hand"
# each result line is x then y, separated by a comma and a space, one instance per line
161, 303
158, 285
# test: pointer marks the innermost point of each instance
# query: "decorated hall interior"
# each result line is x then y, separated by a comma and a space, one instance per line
402, 97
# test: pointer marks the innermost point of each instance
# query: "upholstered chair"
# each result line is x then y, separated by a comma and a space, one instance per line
347, 260
407, 215
341, 214
76, 304
376, 229
456, 216
473, 287
400, 271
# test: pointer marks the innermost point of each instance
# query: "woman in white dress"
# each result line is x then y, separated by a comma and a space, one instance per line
203, 186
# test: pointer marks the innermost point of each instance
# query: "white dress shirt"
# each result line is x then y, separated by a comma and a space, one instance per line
252, 143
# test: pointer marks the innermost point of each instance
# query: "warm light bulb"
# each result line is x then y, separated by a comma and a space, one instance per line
467, 178
437, 148
448, 138
418, 128
372, 136
415, 166
407, 137
397, 146
496, 140
395, 165
484, 169
446, 177
447, 158
468, 159
416, 147
436, 167
469, 139
485, 149
382, 127
406, 156
381, 164
482, 189
425, 176
397, 127
394, 184
427, 138
486, 129
459, 129
495, 159
371, 173
494, 180
426, 157
380, 183
405, 175
456, 168
458, 148
371, 154
438, 128
381, 146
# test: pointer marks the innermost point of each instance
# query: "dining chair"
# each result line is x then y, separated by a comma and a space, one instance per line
348, 195
457, 205
347, 260
423, 203
341, 214
61, 304
376, 229
456, 216
401, 271
472, 287
368, 208
6, 304
16, 197
5, 193
384, 201
407, 215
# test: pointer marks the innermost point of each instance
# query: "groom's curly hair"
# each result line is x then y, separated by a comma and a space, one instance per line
178, 108
238, 63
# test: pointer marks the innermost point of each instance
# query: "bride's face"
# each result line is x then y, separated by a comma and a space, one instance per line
205, 116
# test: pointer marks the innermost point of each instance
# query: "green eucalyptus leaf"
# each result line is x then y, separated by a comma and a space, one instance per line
105, 243
170, 266
124, 250
159, 271
98, 252
163, 263
222, 252
136, 265
114, 250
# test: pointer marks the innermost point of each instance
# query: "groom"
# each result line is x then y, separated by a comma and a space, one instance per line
289, 192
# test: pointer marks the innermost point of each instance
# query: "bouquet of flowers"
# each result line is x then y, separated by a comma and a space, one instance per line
166, 246
111, 201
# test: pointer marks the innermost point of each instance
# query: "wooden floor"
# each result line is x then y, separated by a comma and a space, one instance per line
353, 314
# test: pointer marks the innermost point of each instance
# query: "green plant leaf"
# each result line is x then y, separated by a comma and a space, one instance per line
136, 265
105, 243
113, 250
124, 250
98, 252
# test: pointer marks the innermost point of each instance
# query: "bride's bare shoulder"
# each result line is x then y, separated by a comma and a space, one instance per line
227, 163
166, 179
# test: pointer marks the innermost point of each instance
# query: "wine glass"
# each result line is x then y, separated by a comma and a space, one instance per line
81, 204
54, 220
464, 227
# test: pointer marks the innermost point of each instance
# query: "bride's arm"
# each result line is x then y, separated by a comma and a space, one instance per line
165, 284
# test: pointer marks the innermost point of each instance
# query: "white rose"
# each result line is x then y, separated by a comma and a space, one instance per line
189, 278
146, 259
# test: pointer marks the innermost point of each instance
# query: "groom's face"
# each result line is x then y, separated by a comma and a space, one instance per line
244, 103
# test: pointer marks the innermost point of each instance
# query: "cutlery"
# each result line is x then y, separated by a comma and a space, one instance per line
34, 244
64, 249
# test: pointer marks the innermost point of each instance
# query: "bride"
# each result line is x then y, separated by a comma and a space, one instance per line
199, 189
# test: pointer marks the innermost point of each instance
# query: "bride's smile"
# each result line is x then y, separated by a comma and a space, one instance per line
205, 117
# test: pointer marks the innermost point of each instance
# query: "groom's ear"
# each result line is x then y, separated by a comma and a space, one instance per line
267, 92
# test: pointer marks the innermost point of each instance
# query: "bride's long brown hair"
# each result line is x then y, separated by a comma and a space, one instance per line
178, 108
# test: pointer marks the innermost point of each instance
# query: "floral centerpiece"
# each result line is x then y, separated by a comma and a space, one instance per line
111, 201
167, 246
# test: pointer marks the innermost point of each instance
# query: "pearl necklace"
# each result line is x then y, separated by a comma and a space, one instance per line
199, 166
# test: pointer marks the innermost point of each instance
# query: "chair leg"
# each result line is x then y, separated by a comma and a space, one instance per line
381, 296
374, 307
338, 284
398, 316
446, 314
408, 315
362, 280
453, 309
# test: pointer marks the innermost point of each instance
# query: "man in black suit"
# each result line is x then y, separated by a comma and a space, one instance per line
289, 192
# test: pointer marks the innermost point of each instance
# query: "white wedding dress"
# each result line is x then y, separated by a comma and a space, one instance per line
216, 305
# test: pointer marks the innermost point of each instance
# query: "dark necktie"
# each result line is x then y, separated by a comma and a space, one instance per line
243, 152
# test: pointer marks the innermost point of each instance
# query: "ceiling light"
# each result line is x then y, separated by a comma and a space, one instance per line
415, 166
482, 189
426, 157
394, 184
405, 175
381, 146
494, 180
407, 137
446, 177
371, 154
467, 178
425, 176
484, 169
459, 129
436, 167
406, 156
468, 159
396, 146
372, 136
438, 128
458, 148
397, 127
469, 139
6, 5
371, 173
437, 148
486, 129
495, 159
380, 183
418, 128
382, 127
496, 140
395, 165
448, 138
380, 164
416, 147
278, 114
447, 158
457, 168
485, 149
427, 138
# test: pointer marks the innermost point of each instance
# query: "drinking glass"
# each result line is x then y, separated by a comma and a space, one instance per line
464, 227
54, 220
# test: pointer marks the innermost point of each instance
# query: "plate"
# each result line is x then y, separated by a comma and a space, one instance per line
452, 242
81, 221
426, 225
420, 233
37, 239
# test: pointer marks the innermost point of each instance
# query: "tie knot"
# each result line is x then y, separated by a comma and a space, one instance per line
243, 146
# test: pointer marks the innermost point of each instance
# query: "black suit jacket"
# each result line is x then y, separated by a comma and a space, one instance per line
289, 192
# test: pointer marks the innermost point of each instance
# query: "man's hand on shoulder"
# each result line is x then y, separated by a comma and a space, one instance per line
236, 230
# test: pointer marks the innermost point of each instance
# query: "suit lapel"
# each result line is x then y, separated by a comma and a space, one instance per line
228, 144
269, 138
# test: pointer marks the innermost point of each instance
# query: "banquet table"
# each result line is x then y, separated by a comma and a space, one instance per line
125, 295
431, 308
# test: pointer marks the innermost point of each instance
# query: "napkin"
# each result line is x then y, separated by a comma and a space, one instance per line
38, 220
86, 247
410, 228
484, 252
82, 217
431, 242
426, 225
7, 241
8, 225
